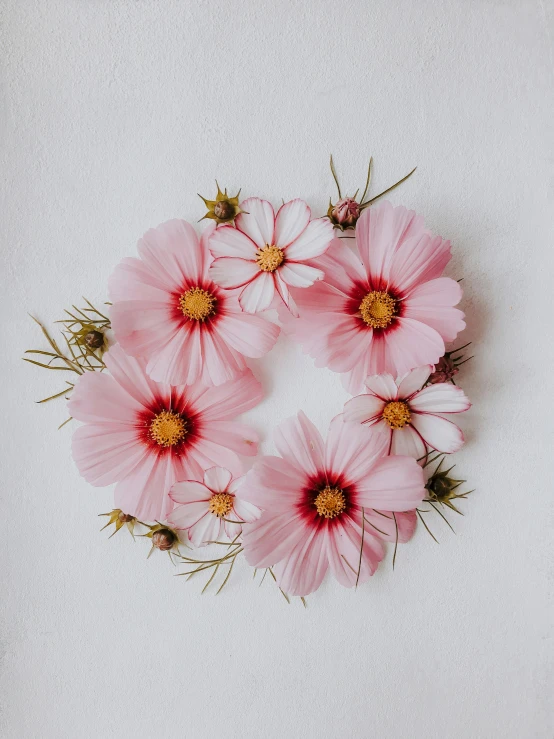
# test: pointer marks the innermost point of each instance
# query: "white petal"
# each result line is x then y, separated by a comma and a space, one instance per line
442, 397
257, 221
363, 408
231, 272
291, 220
285, 295
299, 275
227, 241
217, 479
207, 529
246, 511
407, 442
383, 386
258, 294
414, 381
189, 491
187, 515
438, 433
312, 242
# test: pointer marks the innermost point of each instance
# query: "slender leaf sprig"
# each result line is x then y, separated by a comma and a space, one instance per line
74, 355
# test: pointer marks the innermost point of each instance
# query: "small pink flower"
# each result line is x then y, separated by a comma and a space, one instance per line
315, 497
145, 436
168, 311
386, 309
209, 509
265, 252
409, 416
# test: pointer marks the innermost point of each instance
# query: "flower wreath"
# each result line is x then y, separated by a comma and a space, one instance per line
163, 376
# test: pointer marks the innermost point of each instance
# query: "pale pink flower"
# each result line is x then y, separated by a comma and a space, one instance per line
145, 436
408, 416
167, 310
386, 309
266, 253
313, 499
208, 510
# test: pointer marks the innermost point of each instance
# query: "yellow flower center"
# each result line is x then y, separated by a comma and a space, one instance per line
270, 258
330, 502
197, 304
221, 504
396, 414
168, 428
378, 309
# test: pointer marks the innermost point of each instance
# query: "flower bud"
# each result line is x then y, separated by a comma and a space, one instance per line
345, 213
224, 210
445, 369
94, 339
125, 517
163, 539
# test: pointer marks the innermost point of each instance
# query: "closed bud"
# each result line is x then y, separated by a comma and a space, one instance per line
94, 339
163, 539
346, 213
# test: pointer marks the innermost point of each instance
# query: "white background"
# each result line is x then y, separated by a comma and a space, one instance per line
114, 114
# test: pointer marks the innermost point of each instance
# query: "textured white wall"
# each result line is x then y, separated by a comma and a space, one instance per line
114, 113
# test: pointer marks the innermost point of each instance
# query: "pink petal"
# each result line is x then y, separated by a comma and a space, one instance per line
228, 241
291, 220
144, 327
178, 361
299, 442
173, 253
106, 453
258, 294
130, 374
185, 516
269, 539
383, 386
227, 401
190, 491
312, 242
352, 450
344, 544
299, 275
144, 491
220, 362
217, 479
233, 435
232, 272
395, 484
206, 453
98, 397
408, 443
273, 484
343, 270
438, 433
250, 335
363, 408
412, 344
414, 381
380, 232
389, 530
257, 221
133, 280
418, 260
432, 302
302, 571
440, 398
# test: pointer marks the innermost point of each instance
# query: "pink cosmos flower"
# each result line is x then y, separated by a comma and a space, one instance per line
145, 436
324, 503
386, 310
168, 311
209, 509
409, 416
265, 252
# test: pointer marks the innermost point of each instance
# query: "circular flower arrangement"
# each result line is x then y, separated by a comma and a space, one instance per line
163, 374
